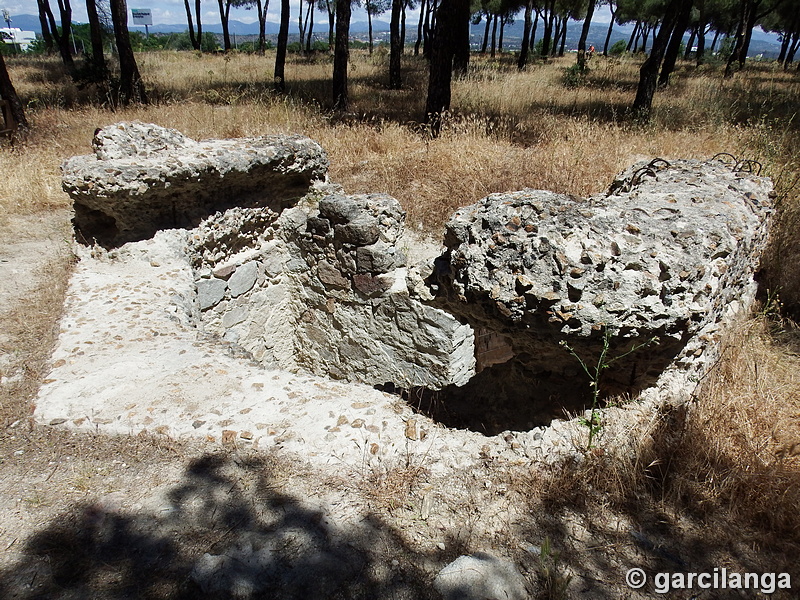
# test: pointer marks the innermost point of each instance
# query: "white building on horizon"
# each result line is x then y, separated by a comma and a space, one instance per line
15, 35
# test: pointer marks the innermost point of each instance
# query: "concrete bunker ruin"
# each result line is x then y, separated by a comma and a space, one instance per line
299, 276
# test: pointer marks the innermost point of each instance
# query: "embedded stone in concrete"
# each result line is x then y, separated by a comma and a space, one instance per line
143, 178
377, 258
210, 292
338, 208
243, 279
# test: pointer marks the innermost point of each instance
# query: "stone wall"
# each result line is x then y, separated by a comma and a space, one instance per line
142, 178
666, 254
323, 287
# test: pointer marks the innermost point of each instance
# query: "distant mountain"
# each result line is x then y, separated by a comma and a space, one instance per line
762, 43
24, 22
363, 26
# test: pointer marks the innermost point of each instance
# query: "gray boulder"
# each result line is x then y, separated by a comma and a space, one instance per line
480, 577
143, 178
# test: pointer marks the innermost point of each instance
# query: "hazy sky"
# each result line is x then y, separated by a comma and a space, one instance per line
173, 11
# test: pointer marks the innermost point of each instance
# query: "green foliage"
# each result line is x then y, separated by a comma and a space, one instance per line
142, 43
618, 48
253, 46
81, 34
9, 49
726, 48
575, 76
37, 47
171, 41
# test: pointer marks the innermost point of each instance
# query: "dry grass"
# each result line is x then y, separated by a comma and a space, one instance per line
510, 130
720, 473
741, 445
30, 331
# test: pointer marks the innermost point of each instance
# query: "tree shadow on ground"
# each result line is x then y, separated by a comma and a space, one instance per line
224, 531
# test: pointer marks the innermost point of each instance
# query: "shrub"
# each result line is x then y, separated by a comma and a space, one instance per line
575, 76
618, 48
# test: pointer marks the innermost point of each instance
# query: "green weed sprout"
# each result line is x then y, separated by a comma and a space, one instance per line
595, 372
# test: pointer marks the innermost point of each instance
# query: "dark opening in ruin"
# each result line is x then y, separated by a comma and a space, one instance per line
521, 393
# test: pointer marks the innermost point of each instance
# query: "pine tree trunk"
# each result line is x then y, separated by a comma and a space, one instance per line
45, 27
784, 48
674, 45
587, 23
226, 38
331, 24
634, 38
341, 55
461, 51
189, 20
423, 10
369, 26
646, 29
548, 31
687, 52
701, 44
197, 18
556, 37
98, 62
262, 25
448, 20
494, 36
526, 36
395, 46
608, 35
744, 15
648, 74
310, 26
403, 27
438, 100
791, 52
486, 29
427, 30
62, 37
283, 41
714, 42
130, 82
301, 25
9, 94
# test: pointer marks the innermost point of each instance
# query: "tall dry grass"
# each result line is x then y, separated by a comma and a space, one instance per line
718, 480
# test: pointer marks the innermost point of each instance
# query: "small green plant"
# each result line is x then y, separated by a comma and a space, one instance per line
575, 76
552, 578
595, 372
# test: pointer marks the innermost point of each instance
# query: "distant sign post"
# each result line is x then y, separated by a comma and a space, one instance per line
142, 16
